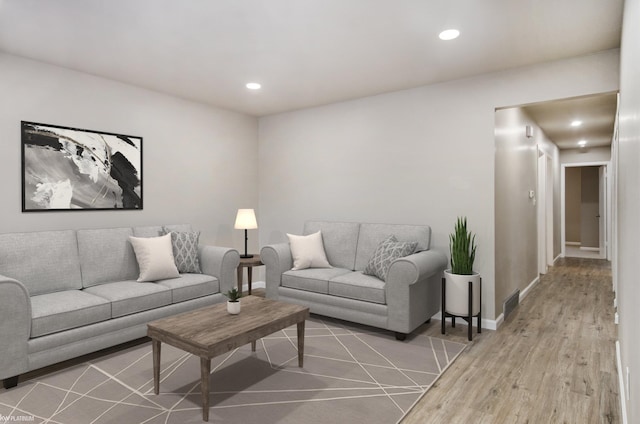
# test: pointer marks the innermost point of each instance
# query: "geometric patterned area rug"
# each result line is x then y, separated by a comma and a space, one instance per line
351, 374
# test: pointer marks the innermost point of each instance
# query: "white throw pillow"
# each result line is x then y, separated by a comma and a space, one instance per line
308, 251
155, 257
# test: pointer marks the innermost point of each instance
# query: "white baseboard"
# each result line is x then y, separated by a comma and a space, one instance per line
498, 322
560, 256
622, 391
254, 285
591, 249
527, 289
572, 243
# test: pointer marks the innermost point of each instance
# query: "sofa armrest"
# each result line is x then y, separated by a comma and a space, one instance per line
413, 288
277, 260
220, 262
416, 267
15, 327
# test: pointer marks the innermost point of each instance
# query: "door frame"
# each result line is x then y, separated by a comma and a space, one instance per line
544, 210
541, 210
603, 201
607, 207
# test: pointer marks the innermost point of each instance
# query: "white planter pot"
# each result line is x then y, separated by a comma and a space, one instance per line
233, 307
457, 293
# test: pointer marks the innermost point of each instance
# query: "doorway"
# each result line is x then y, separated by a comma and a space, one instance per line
585, 215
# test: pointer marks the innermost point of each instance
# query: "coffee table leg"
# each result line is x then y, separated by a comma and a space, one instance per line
253, 346
155, 347
300, 343
205, 370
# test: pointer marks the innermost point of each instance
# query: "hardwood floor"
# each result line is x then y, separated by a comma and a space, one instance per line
553, 361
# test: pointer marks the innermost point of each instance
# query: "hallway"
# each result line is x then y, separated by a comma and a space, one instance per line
576, 252
552, 361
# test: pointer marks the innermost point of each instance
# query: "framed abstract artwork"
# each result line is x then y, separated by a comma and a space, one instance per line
71, 169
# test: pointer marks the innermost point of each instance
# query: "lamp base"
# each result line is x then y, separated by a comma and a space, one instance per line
246, 256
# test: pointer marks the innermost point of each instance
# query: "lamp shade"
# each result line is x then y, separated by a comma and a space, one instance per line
246, 220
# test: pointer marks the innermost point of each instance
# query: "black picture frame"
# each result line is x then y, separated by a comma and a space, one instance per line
73, 169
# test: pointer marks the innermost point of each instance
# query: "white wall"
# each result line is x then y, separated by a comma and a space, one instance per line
628, 207
595, 154
419, 156
199, 163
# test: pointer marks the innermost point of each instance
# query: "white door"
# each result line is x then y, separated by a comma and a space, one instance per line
549, 210
540, 198
602, 210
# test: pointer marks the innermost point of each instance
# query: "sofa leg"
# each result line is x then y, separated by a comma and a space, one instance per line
10, 382
428, 321
400, 336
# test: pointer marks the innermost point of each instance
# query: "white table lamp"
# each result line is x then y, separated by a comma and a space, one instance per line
246, 220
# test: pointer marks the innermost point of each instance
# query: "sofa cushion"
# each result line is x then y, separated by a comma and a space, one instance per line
155, 257
359, 286
129, 297
388, 251
148, 231
340, 241
191, 286
312, 279
308, 251
372, 234
106, 256
45, 261
53, 312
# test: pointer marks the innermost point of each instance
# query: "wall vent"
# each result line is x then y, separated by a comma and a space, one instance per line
511, 303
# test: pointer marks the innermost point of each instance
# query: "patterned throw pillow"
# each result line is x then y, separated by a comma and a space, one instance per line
388, 251
185, 251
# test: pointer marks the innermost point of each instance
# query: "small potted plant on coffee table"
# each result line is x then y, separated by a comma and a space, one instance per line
233, 304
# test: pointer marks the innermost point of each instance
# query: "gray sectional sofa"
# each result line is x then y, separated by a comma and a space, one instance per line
68, 293
409, 297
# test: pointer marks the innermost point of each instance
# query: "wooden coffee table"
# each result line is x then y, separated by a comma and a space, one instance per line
211, 331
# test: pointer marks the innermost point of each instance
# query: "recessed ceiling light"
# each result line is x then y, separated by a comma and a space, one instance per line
253, 86
576, 123
582, 143
449, 34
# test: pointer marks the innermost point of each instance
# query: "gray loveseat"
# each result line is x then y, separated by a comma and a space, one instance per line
68, 293
409, 297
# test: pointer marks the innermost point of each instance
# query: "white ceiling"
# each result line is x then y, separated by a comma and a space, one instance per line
597, 114
304, 52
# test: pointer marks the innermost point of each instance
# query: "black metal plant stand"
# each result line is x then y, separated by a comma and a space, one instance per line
468, 317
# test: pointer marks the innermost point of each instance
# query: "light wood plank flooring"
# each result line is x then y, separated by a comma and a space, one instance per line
553, 361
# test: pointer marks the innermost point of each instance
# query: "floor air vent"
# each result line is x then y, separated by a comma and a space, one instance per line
511, 303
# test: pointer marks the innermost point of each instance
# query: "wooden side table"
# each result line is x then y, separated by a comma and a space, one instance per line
248, 263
